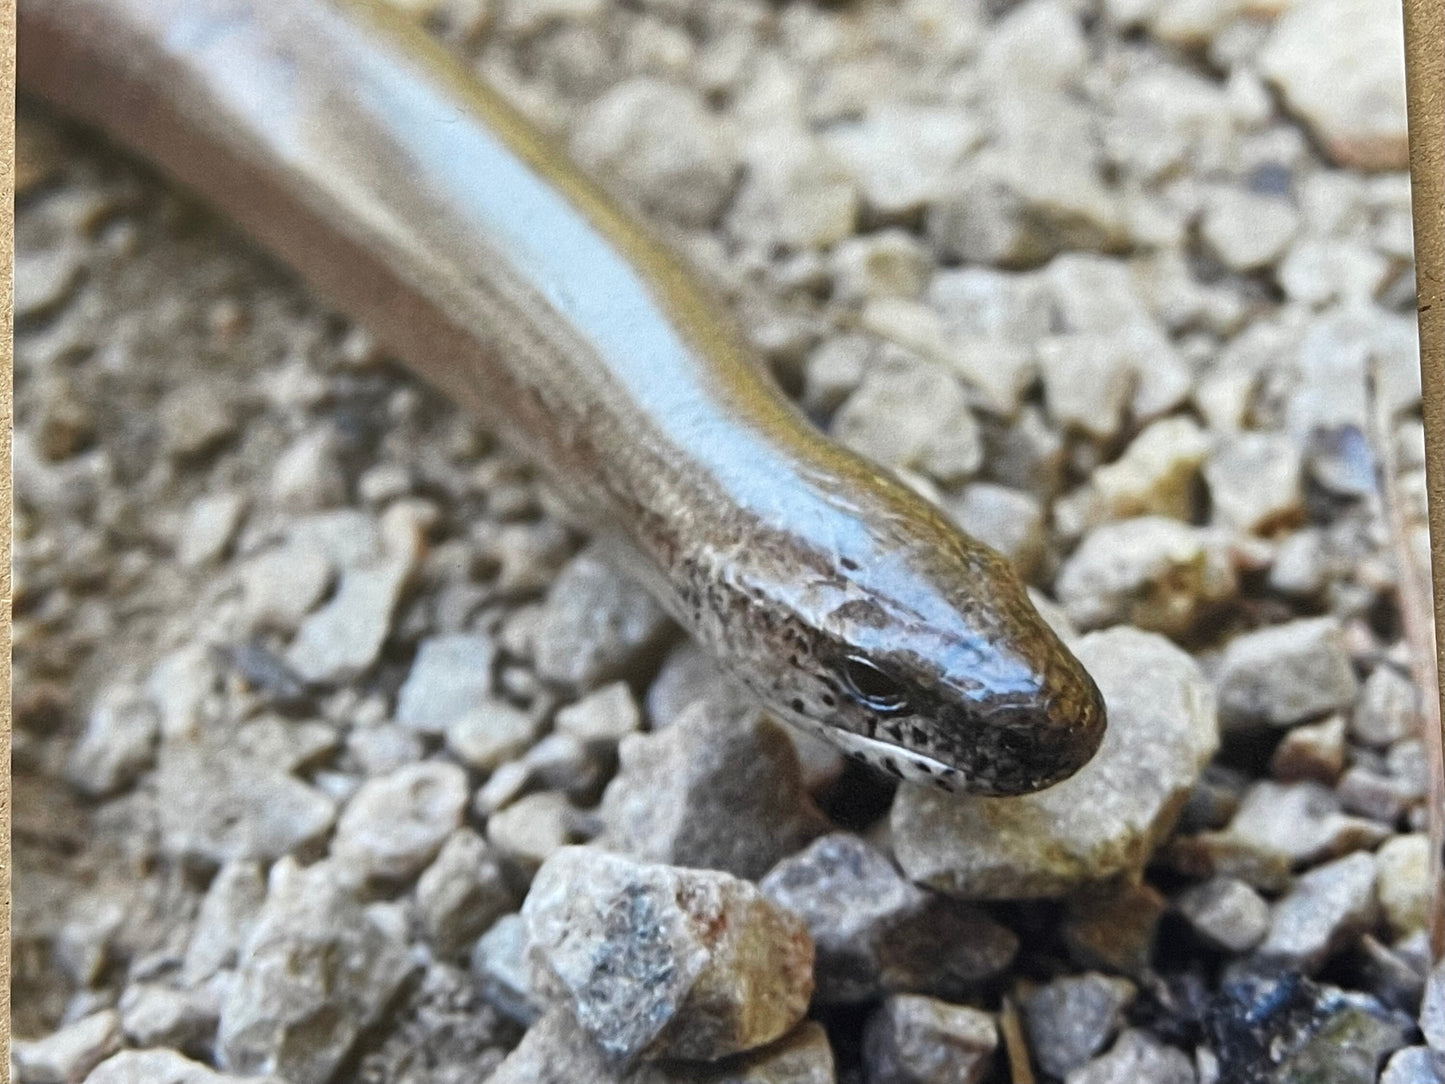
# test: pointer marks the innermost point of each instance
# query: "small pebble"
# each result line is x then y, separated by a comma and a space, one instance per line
1286, 674
462, 893
451, 676
394, 825
674, 785
70, 1053
920, 1040
486, 736
532, 829
1135, 1058
1069, 1020
1256, 481
603, 717
1227, 913
1326, 907
661, 961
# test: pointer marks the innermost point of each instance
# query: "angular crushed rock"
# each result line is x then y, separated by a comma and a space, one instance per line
1135, 1058
1226, 913
1286, 674
164, 1067
394, 825
462, 892
1069, 1020
1326, 908
71, 1052
673, 787
874, 932
313, 974
920, 1040
596, 626
1155, 573
1106, 819
221, 805
450, 676
657, 961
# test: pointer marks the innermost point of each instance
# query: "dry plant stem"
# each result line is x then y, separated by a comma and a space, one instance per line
1011, 1028
1415, 613
1425, 84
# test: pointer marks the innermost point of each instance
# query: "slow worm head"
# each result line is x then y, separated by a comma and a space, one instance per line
427, 208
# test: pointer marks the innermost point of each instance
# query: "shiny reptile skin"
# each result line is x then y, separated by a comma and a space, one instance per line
424, 206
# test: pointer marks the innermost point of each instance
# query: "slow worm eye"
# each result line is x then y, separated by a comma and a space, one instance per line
873, 688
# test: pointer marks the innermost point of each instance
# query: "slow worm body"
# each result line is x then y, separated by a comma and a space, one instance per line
425, 207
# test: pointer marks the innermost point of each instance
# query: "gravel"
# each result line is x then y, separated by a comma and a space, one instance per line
658, 961
313, 680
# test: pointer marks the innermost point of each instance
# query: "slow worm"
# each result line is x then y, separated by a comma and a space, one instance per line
424, 206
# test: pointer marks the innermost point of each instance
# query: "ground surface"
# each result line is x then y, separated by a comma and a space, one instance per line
1126, 287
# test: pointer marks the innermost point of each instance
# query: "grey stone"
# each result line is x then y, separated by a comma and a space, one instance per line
462, 893
220, 805
673, 788
163, 1067
344, 637
1135, 1058
660, 961
875, 933
314, 973
596, 626
227, 912
499, 964
308, 475
1151, 572
211, 525
1325, 909
920, 1040
1106, 819
904, 156
663, 146
490, 734
532, 829
394, 825
889, 263
1071, 1019
156, 1015
1388, 708
285, 744
797, 193
1089, 378
118, 744
904, 417
1300, 821
44, 280
194, 419
70, 1053
603, 717
1286, 674
1341, 65
1256, 481
281, 585
450, 676
1432, 1008
1415, 1065
1156, 473
381, 750
1404, 882
556, 1050
1247, 230
1225, 912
